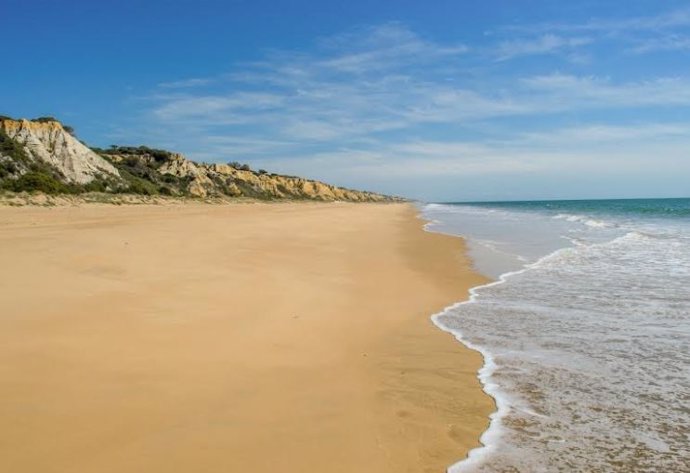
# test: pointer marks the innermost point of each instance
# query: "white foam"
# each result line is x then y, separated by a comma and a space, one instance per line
504, 404
596, 223
489, 438
561, 336
584, 219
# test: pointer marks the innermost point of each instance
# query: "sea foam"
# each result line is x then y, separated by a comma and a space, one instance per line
586, 349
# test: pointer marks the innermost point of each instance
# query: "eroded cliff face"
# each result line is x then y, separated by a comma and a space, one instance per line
42, 155
50, 143
210, 180
281, 187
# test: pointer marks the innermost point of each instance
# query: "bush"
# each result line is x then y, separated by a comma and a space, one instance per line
45, 119
133, 162
141, 187
38, 181
7, 168
170, 179
11, 148
157, 154
239, 166
96, 185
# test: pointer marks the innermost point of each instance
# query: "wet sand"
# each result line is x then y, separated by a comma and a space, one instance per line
232, 338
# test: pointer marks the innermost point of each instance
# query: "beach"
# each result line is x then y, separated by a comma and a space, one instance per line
288, 337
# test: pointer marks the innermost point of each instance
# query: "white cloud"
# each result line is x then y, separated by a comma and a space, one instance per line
667, 20
641, 34
663, 43
596, 134
544, 44
186, 83
585, 150
384, 102
662, 21
382, 47
236, 107
386, 78
593, 92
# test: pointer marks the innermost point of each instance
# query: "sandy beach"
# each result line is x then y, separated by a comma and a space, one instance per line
232, 338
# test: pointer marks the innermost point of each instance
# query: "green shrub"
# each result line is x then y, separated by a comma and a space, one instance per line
45, 119
139, 186
157, 154
38, 181
97, 185
7, 168
11, 148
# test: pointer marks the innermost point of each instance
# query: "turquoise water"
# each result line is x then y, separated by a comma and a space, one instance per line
663, 208
585, 334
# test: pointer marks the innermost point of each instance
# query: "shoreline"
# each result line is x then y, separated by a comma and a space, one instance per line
218, 334
501, 399
485, 447
548, 348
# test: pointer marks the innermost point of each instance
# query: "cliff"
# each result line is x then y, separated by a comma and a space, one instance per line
47, 142
43, 155
173, 174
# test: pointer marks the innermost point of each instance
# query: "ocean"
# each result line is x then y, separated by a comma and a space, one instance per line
585, 332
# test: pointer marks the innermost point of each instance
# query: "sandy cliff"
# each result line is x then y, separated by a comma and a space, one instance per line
50, 143
43, 155
179, 175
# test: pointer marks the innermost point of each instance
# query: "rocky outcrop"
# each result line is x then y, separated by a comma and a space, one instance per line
50, 143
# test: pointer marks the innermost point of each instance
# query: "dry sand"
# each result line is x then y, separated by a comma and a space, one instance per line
237, 338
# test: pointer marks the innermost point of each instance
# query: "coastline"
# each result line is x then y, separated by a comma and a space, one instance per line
252, 337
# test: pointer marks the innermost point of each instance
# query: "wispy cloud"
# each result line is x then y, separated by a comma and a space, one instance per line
306, 96
583, 149
595, 134
235, 107
593, 92
383, 47
662, 43
323, 108
186, 83
544, 44
384, 102
639, 34
623, 24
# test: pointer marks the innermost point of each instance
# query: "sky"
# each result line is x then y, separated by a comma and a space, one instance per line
437, 100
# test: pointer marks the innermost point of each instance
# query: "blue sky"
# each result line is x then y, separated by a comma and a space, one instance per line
437, 100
